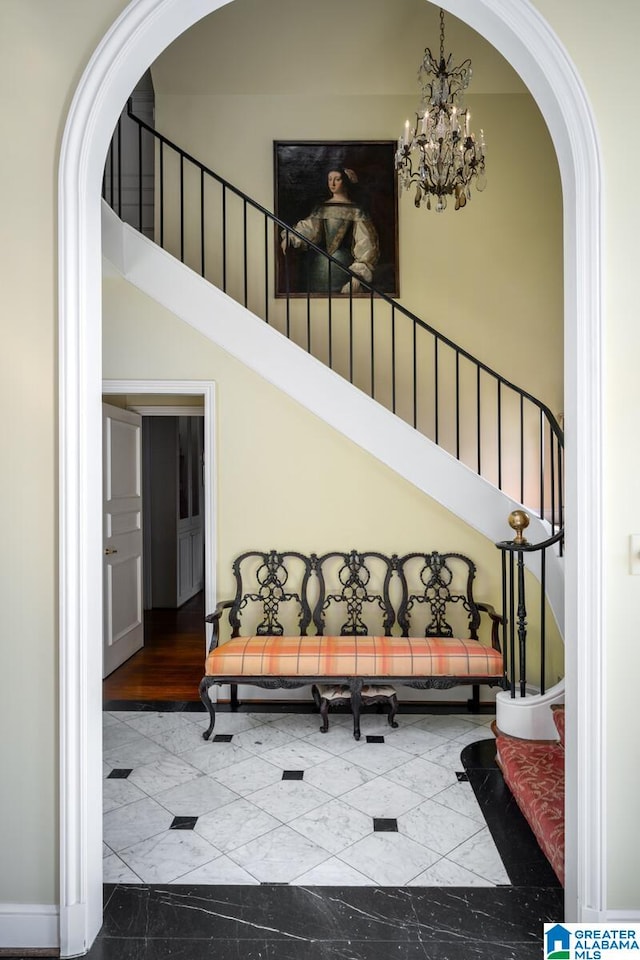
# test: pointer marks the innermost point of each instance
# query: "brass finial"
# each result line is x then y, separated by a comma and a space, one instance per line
519, 521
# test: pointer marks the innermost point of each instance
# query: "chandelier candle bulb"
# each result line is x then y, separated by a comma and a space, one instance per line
406, 132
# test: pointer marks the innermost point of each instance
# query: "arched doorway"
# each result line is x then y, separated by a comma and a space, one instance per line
144, 29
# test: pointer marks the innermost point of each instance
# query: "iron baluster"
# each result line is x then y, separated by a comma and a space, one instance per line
505, 619
330, 318
202, 223
522, 626
182, 208
415, 378
543, 619
162, 194
393, 360
435, 385
542, 462
478, 432
521, 449
560, 499
499, 434
512, 627
553, 487
244, 249
266, 271
457, 355
139, 179
224, 237
373, 348
119, 167
350, 332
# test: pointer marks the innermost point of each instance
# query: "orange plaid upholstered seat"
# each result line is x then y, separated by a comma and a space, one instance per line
264, 656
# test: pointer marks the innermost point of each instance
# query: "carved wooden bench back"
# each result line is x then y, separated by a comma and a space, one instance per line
437, 596
282, 593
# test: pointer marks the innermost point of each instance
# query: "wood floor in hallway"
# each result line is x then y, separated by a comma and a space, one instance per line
171, 663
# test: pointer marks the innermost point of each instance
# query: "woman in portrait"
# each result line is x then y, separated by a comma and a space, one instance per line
341, 226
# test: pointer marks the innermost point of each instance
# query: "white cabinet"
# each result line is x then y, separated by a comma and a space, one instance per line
175, 529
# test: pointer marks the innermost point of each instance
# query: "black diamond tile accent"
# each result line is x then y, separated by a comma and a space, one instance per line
183, 823
120, 773
462, 777
371, 739
223, 738
292, 774
385, 825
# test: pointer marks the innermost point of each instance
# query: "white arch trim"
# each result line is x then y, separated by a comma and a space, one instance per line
139, 35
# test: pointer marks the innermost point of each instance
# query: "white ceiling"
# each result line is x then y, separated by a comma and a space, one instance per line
351, 46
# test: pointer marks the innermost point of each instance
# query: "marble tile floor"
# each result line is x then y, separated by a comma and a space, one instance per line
423, 919
160, 774
272, 800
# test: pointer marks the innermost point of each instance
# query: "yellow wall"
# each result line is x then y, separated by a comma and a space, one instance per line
286, 480
44, 48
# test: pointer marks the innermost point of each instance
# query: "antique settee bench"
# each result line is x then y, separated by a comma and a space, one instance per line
352, 618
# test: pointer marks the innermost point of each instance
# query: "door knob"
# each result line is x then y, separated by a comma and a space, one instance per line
108, 551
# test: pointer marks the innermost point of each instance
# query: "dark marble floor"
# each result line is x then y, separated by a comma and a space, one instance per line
273, 922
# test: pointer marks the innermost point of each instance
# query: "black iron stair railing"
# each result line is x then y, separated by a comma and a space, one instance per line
517, 612
499, 430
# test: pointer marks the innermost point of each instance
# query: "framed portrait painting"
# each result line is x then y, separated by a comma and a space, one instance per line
341, 196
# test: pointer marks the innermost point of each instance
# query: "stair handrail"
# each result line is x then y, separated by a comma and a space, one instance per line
417, 322
553, 423
514, 603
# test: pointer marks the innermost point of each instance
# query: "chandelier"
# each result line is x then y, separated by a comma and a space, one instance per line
440, 155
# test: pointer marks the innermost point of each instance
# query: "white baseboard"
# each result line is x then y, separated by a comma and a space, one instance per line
29, 925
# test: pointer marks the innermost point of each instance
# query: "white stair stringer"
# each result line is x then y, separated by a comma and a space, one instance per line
529, 717
325, 393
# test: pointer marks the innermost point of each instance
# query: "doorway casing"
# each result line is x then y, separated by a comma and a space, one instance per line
144, 29
190, 388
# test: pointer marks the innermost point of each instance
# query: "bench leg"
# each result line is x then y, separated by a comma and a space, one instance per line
235, 703
393, 709
356, 703
203, 690
324, 713
473, 704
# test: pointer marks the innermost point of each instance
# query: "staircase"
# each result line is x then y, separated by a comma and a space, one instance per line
447, 422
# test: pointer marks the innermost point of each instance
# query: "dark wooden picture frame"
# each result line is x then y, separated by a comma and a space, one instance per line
300, 171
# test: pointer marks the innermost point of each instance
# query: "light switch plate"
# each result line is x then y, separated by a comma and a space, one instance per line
634, 554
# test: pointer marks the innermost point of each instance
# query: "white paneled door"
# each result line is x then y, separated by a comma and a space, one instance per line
122, 535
